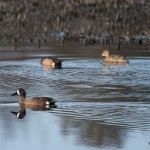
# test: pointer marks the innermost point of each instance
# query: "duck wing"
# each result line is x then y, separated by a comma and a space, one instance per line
117, 57
43, 100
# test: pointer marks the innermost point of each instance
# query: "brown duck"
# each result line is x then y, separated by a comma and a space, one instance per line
51, 62
113, 58
34, 101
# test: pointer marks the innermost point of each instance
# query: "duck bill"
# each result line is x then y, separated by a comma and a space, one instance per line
14, 94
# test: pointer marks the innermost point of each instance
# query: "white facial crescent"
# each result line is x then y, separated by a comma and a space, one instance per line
18, 92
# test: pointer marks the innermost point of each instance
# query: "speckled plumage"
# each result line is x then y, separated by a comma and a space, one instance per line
113, 58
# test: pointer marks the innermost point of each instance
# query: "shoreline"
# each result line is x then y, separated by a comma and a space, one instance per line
74, 50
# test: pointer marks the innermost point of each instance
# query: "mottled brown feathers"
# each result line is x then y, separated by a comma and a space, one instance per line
113, 58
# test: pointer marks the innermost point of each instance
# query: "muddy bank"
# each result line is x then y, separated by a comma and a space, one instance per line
69, 50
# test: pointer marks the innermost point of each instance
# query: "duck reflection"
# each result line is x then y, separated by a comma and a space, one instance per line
20, 114
47, 68
107, 64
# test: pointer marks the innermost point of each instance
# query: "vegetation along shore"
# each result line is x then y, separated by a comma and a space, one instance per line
80, 22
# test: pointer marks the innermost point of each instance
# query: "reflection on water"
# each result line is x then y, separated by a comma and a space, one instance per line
99, 105
93, 133
21, 113
123, 114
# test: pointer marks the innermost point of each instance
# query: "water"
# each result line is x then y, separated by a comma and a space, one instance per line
98, 106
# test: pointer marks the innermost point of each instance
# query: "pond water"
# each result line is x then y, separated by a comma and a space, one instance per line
99, 106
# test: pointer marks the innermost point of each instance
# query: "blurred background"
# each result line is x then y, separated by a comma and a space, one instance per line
81, 21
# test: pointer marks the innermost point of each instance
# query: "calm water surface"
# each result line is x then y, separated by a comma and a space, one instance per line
99, 106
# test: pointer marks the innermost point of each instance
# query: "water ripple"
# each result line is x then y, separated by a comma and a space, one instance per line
128, 114
85, 89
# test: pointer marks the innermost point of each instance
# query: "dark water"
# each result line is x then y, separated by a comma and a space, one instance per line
99, 106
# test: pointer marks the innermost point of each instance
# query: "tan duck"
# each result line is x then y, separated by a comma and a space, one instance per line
51, 62
113, 58
46, 102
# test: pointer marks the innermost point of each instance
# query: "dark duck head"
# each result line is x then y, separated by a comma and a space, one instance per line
20, 92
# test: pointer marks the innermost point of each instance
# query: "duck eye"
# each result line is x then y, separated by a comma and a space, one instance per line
18, 92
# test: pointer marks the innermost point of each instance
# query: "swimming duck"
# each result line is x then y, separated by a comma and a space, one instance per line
20, 114
51, 62
34, 101
113, 58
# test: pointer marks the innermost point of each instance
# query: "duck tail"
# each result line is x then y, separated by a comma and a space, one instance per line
52, 103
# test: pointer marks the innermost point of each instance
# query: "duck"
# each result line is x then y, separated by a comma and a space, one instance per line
19, 114
51, 62
46, 102
113, 58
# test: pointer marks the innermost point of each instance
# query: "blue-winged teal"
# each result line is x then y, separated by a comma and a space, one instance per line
51, 62
113, 58
34, 101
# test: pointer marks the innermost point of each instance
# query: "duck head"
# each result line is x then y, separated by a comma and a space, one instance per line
105, 53
20, 92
